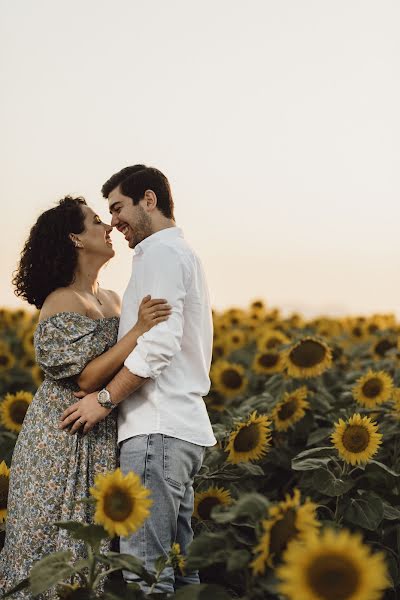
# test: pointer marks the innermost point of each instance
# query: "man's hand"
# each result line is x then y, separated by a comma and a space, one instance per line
84, 413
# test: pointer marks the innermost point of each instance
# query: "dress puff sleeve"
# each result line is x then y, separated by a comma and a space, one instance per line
66, 342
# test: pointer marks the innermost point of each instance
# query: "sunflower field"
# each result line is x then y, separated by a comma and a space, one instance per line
299, 499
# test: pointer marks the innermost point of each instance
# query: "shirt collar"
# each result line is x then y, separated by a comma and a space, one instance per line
164, 234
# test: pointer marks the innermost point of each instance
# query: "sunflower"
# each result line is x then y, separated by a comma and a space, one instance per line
356, 328
382, 346
228, 378
216, 402
257, 304
295, 321
328, 328
13, 410
232, 317
308, 357
122, 502
396, 401
235, 339
37, 375
176, 559
291, 409
357, 439
373, 389
250, 439
374, 324
205, 501
287, 521
270, 339
333, 566
27, 341
4, 481
268, 362
7, 359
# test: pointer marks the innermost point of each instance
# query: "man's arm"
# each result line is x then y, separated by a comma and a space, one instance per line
88, 411
163, 273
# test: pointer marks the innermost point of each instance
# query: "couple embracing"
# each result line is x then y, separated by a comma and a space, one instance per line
129, 378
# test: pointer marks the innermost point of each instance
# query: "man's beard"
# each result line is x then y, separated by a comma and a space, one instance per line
143, 228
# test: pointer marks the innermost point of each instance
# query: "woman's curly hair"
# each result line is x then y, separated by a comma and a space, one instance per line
49, 258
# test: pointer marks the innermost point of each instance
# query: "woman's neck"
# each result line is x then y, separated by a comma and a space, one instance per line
86, 279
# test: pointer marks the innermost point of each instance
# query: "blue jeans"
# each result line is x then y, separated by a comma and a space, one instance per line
166, 466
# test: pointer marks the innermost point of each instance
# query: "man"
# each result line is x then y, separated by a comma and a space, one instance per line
163, 425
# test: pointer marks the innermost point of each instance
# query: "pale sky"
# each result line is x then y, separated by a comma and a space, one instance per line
277, 123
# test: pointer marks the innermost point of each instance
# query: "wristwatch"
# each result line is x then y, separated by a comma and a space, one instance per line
104, 399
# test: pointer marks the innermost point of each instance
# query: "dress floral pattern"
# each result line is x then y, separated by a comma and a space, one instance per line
52, 469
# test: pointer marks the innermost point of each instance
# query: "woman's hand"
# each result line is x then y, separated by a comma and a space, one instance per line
152, 312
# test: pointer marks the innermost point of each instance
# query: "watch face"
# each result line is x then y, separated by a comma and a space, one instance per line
104, 395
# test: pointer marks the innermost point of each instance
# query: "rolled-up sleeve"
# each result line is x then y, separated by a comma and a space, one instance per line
165, 274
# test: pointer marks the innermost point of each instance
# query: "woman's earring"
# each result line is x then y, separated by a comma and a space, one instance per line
78, 244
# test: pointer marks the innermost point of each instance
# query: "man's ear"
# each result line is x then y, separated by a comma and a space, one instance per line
76, 241
150, 199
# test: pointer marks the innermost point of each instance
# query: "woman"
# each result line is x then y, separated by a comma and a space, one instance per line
75, 343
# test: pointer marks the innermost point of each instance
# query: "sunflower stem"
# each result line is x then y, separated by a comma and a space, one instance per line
92, 570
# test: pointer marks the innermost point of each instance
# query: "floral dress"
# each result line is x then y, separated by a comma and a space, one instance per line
51, 469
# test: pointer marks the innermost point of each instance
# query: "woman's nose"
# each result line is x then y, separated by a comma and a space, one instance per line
109, 228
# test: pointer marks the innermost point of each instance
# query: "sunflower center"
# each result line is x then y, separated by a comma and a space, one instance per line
282, 532
333, 577
18, 410
288, 409
3, 491
247, 438
231, 379
206, 505
218, 351
118, 505
308, 354
4, 360
355, 438
357, 331
268, 359
372, 387
384, 346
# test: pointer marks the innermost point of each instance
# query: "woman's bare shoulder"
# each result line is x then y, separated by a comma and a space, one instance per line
62, 300
113, 297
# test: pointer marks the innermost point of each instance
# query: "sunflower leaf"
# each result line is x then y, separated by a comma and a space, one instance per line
324, 450
249, 505
204, 591
128, 563
366, 511
383, 467
92, 534
209, 549
319, 435
238, 559
391, 513
326, 483
250, 469
52, 569
309, 464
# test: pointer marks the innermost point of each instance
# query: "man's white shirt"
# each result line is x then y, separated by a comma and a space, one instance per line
175, 354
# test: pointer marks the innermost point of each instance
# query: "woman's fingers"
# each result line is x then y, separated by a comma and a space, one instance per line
153, 303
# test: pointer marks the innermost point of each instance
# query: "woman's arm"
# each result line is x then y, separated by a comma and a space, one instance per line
102, 368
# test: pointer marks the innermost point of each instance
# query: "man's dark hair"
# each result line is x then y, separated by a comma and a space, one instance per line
134, 181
